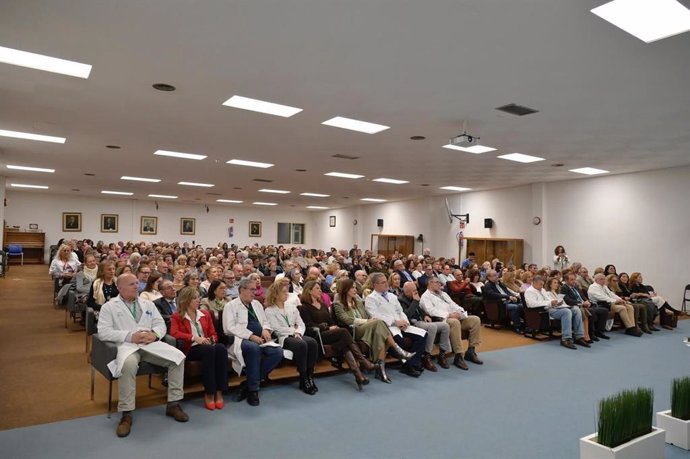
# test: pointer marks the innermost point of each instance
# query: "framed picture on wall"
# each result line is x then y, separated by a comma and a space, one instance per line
188, 226
109, 223
331, 221
149, 225
71, 221
254, 229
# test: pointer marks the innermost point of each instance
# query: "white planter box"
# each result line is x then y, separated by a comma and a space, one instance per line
650, 446
677, 430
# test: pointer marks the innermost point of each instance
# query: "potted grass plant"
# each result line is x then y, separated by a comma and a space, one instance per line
625, 429
676, 421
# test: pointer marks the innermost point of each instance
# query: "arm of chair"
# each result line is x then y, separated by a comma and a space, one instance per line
102, 353
91, 327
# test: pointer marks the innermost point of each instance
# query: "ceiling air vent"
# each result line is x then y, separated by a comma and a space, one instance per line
345, 156
262, 180
519, 110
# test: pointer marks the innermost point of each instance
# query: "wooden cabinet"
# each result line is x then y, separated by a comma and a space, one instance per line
509, 251
387, 244
33, 245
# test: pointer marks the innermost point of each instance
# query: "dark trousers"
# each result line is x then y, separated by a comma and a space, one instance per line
214, 357
412, 343
259, 362
304, 353
598, 320
339, 338
515, 311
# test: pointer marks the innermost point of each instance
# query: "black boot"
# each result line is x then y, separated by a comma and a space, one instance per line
364, 363
312, 382
360, 379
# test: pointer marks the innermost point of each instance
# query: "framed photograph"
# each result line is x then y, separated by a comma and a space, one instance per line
71, 221
254, 229
33, 226
188, 226
331, 221
149, 225
109, 223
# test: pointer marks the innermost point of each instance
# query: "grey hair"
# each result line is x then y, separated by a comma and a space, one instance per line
375, 276
538, 279
247, 283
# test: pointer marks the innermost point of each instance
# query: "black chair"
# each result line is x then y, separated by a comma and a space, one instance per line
537, 321
686, 298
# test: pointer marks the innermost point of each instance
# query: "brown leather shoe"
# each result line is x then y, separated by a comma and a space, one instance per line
443, 360
175, 411
125, 425
459, 362
428, 364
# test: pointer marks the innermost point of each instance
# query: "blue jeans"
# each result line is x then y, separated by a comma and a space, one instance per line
515, 311
571, 320
258, 368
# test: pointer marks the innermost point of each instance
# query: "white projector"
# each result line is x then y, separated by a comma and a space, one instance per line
464, 140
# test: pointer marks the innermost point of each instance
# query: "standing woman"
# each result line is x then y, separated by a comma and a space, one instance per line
315, 314
349, 310
64, 266
285, 320
200, 342
560, 258
103, 287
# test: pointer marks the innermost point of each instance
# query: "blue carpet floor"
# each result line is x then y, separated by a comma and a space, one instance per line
529, 402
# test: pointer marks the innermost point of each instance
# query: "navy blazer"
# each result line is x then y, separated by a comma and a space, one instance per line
165, 309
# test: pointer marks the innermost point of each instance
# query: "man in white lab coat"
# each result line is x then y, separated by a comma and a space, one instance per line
136, 327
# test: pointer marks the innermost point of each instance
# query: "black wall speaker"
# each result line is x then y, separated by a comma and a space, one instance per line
379, 222
488, 223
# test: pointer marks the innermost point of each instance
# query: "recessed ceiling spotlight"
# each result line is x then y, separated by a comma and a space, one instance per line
589, 171
31, 169
343, 175
30, 136
21, 185
45, 63
164, 87
237, 188
424, 184
557, 165
261, 106
647, 20
75, 189
520, 158
177, 154
355, 125
89, 174
113, 147
300, 170
241, 162
417, 137
140, 179
455, 188
390, 180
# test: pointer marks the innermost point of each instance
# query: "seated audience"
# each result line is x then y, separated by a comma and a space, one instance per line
405, 275
136, 327
166, 304
571, 319
244, 319
104, 287
382, 305
212, 273
178, 278
350, 312
316, 315
285, 320
437, 304
494, 290
597, 314
200, 342
394, 286
150, 291
583, 279
64, 266
645, 292
640, 310
598, 292
215, 301
143, 272
475, 281
508, 279
85, 277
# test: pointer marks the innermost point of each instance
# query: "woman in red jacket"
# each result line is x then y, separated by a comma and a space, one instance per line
195, 328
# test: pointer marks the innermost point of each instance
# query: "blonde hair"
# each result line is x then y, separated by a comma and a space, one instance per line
274, 290
184, 299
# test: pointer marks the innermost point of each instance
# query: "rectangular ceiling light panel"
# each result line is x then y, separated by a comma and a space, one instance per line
355, 125
177, 154
30, 136
45, 63
648, 20
589, 171
520, 158
261, 106
476, 149
31, 169
242, 162
343, 175
204, 185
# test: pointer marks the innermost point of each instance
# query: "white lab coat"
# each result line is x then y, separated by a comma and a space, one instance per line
387, 309
116, 324
439, 305
235, 320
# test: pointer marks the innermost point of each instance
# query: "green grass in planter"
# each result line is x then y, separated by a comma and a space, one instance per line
625, 416
680, 398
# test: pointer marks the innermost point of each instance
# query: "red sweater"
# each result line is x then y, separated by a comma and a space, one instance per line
180, 328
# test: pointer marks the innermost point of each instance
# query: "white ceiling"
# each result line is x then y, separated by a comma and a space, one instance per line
605, 98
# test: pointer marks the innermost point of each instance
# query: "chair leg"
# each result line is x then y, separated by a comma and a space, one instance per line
150, 387
110, 397
93, 377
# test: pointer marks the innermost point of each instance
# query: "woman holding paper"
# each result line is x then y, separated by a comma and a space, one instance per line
286, 321
200, 342
316, 315
349, 311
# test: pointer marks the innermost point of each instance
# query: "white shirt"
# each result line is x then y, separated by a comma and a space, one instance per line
597, 292
537, 298
439, 305
443, 278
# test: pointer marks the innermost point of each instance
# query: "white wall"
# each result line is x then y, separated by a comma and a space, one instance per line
212, 227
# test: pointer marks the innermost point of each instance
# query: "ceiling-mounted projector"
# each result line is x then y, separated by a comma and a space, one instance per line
464, 140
